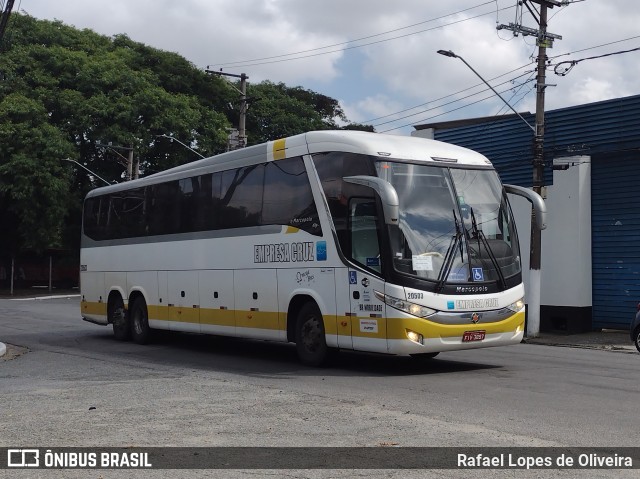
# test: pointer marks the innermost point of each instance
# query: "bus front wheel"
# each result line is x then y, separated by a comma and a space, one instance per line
118, 318
311, 343
139, 319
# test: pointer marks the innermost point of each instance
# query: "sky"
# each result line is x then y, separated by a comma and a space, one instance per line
378, 57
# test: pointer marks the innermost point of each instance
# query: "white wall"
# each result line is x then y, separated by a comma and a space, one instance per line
566, 242
426, 133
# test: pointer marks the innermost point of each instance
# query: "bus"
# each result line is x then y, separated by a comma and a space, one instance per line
332, 240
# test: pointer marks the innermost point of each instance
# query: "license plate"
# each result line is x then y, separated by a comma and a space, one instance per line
470, 336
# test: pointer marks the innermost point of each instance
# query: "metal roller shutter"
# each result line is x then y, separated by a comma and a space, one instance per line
615, 210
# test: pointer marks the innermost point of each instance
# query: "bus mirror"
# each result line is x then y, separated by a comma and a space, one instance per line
385, 191
538, 204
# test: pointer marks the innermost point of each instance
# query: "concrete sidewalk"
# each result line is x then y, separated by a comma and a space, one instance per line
607, 339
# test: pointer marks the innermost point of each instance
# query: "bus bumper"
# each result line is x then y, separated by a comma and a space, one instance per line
432, 337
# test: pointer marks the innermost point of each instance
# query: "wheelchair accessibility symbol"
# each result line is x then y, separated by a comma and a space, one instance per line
353, 277
478, 275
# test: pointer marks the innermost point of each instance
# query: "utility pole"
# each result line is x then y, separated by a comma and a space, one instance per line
128, 160
242, 121
4, 18
544, 41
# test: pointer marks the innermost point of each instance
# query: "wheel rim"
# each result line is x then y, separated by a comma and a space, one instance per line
311, 334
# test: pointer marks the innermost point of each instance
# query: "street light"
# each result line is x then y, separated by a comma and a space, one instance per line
535, 253
186, 146
449, 53
82, 166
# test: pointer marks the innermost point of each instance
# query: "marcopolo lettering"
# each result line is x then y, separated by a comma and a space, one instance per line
284, 252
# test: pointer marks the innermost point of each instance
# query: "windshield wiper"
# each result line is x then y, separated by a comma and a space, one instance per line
450, 255
479, 235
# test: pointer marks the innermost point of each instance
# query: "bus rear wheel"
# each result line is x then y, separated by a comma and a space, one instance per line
118, 318
311, 343
139, 319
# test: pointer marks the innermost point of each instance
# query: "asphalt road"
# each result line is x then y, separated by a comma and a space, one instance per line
65, 382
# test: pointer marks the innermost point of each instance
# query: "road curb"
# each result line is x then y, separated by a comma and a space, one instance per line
3, 349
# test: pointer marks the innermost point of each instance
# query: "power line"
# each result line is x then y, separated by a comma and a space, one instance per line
247, 63
449, 103
447, 96
517, 90
595, 46
573, 63
446, 112
352, 41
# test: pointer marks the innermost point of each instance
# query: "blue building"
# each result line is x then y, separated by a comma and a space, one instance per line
592, 173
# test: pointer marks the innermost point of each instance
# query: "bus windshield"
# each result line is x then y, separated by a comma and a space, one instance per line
455, 225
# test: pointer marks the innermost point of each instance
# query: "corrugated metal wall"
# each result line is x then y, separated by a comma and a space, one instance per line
615, 226
608, 131
605, 126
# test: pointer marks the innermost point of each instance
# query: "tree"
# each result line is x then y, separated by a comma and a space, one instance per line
33, 182
277, 111
65, 92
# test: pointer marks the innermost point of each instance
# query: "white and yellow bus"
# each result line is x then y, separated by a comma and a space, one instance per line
329, 239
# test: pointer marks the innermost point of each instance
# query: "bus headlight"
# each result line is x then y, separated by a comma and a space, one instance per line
517, 306
402, 305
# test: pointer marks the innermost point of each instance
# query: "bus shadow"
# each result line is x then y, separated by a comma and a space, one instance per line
264, 359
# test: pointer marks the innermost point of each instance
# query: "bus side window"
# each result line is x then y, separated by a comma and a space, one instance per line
287, 198
241, 197
363, 227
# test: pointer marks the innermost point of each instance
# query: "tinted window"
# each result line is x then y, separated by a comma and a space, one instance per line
132, 215
363, 219
95, 217
208, 203
164, 208
287, 196
228, 199
332, 167
241, 197
189, 204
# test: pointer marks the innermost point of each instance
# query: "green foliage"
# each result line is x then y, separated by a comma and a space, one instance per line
277, 111
65, 92
33, 183
359, 127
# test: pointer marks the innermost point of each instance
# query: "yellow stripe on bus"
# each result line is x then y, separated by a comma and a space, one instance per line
93, 308
217, 317
387, 328
279, 147
397, 327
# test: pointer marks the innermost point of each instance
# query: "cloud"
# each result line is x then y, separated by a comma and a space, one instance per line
370, 108
391, 74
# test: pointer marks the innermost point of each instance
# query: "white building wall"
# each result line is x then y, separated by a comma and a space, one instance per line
566, 242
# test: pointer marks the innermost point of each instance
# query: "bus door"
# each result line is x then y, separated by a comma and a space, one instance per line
368, 315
